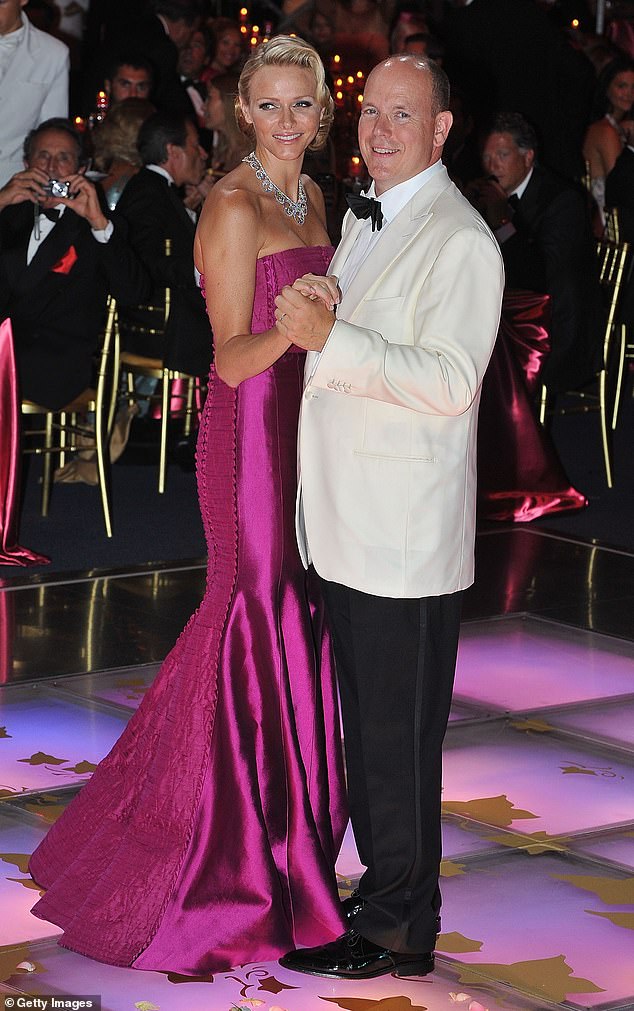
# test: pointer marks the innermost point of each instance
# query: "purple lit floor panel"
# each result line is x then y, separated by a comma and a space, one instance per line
48, 742
615, 846
522, 664
17, 891
553, 918
533, 782
124, 688
63, 972
612, 723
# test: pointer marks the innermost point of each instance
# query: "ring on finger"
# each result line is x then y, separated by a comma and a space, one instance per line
282, 316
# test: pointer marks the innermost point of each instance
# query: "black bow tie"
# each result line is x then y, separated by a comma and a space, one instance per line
52, 213
366, 207
513, 201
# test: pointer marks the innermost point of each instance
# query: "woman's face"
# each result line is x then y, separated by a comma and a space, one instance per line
214, 109
621, 91
229, 49
284, 110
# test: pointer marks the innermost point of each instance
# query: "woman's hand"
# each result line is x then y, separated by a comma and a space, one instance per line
324, 288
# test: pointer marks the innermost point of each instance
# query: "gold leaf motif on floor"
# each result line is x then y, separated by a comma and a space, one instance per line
533, 843
490, 810
40, 758
618, 919
28, 883
612, 891
451, 869
147, 1005
537, 726
550, 978
3, 733
82, 768
19, 860
455, 942
10, 960
364, 1004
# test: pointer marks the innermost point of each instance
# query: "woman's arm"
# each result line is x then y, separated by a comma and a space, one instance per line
228, 241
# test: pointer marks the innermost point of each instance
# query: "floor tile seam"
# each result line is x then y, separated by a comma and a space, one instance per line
45, 678
488, 709
559, 536
454, 964
596, 831
188, 565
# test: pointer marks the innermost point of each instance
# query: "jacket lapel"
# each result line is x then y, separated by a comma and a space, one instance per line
50, 251
400, 232
23, 62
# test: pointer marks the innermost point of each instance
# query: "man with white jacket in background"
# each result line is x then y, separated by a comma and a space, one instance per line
33, 82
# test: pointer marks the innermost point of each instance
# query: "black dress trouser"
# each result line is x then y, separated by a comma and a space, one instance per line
395, 661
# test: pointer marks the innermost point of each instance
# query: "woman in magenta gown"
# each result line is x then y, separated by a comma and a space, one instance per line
207, 837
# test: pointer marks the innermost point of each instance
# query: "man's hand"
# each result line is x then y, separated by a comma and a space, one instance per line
315, 286
84, 202
26, 185
304, 321
488, 197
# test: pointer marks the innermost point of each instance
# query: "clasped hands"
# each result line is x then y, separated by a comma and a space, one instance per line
305, 311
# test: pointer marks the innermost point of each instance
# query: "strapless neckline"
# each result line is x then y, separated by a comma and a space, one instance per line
293, 249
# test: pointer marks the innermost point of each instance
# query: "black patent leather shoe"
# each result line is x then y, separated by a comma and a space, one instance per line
352, 956
352, 905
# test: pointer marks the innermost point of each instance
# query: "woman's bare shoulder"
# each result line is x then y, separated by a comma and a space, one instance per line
232, 201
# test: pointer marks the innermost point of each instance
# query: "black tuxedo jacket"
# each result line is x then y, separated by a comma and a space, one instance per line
553, 251
57, 302
507, 55
146, 36
153, 212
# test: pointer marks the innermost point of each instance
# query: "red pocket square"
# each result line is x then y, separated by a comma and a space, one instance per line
65, 265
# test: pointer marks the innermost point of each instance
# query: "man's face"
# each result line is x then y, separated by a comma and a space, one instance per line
503, 159
187, 163
128, 82
193, 57
10, 19
398, 134
55, 153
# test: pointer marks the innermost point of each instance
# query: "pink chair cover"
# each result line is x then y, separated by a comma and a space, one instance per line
520, 477
10, 551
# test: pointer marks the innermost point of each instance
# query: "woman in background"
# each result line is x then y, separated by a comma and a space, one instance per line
613, 128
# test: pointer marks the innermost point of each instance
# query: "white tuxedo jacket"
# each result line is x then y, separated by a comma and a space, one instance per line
387, 438
34, 88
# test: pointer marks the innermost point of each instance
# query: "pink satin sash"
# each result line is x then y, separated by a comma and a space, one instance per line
520, 477
11, 553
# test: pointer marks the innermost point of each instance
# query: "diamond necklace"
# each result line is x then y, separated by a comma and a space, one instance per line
296, 209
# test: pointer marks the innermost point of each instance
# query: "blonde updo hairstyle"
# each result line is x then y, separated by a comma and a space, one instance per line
284, 51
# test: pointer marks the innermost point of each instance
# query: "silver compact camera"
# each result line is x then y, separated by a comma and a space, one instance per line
55, 188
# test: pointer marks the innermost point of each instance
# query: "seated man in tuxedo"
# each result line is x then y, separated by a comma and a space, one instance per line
153, 212
543, 227
59, 257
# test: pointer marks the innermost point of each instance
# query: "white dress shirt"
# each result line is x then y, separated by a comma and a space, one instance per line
392, 203
44, 226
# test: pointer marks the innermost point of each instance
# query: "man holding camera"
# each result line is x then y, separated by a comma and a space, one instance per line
59, 257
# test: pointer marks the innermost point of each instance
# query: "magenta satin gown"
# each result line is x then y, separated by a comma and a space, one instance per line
207, 837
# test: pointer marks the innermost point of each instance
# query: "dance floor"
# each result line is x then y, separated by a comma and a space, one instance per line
538, 796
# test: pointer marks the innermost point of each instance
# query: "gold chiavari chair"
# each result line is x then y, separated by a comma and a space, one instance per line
626, 345
614, 262
134, 366
66, 431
